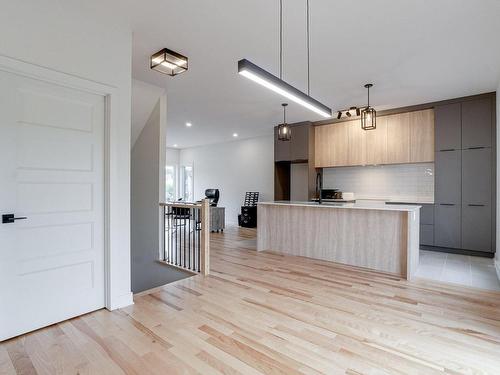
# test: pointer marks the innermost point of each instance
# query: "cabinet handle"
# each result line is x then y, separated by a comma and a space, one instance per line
475, 148
447, 149
446, 204
476, 205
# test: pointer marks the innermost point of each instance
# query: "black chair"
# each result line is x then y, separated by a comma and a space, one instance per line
213, 195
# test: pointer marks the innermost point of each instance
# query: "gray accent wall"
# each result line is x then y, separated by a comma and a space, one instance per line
146, 173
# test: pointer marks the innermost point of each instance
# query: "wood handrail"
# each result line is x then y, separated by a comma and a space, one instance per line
181, 205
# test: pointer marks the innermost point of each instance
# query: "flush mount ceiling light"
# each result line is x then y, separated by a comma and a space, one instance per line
278, 85
368, 114
284, 131
169, 62
188, 124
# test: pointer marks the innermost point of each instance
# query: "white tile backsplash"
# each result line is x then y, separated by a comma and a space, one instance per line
406, 182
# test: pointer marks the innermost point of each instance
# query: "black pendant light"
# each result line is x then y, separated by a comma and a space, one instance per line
255, 73
169, 62
284, 131
368, 114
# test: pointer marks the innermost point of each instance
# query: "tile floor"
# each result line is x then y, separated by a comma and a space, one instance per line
459, 269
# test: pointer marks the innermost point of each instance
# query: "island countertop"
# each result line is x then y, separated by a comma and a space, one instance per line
359, 205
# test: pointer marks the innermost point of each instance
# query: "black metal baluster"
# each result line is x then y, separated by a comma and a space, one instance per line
189, 238
163, 236
199, 230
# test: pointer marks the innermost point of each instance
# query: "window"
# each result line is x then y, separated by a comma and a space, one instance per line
170, 183
187, 183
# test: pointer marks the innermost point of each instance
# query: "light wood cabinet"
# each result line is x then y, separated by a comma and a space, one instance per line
400, 138
376, 143
331, 145
356, 152
422, 136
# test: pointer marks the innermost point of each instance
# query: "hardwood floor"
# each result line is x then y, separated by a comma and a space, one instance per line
266, 313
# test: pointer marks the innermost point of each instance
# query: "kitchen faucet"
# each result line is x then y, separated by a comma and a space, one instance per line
319, 186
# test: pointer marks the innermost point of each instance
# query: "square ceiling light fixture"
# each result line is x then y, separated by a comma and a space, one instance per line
169, 62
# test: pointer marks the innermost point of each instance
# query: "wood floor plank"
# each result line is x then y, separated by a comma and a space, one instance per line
266, 313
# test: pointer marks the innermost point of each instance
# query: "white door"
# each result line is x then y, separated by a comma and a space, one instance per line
52, 173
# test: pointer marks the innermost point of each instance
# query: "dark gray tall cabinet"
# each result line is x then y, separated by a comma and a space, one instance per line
464, 211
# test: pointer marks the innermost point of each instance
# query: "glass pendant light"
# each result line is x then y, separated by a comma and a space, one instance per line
284, 131
368, 114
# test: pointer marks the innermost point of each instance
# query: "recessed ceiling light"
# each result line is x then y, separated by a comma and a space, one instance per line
235, 135
188, 124
175, 144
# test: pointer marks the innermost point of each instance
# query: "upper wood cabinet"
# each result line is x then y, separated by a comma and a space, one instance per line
422, 136
356, 152
400, 138
376, 143
297, 148
331, 145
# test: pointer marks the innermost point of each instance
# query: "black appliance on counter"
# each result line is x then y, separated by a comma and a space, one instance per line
331, 194
248, 216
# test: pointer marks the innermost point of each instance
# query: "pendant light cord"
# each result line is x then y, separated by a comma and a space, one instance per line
308, 50
281, 38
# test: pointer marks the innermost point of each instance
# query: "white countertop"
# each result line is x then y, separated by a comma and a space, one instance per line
359, 205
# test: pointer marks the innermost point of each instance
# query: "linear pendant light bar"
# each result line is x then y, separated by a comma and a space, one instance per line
266, 79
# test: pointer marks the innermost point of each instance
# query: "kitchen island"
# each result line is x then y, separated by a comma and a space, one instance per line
366, 234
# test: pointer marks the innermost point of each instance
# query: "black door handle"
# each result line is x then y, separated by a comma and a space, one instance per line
9, 218
476, 205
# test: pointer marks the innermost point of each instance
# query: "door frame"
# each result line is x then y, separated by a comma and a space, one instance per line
113, 254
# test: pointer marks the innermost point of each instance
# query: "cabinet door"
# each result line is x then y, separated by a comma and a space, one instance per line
398, 138
339, 140
281, 148
427, 214
447, 225
476, 227
476, 176
448, 179
476, 123
427, 234
299, 144
376, 143
357, 143
320, 146
422, 136
448, 130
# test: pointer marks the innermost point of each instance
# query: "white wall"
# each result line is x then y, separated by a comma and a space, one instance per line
406, 182
234, 168
144, 98
173, 156
70, 38
147, 190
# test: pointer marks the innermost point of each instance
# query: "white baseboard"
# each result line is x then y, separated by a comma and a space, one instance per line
118, 302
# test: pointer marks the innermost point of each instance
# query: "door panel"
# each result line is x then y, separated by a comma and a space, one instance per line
448, 180
299, 147
422, 136
447, 226
281, 148
376, 143
448, 127
476, 227
398, 138
52, 172
427, 234
476, 176
357, 143
476, 123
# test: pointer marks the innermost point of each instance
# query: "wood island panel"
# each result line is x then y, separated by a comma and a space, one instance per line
371, 238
